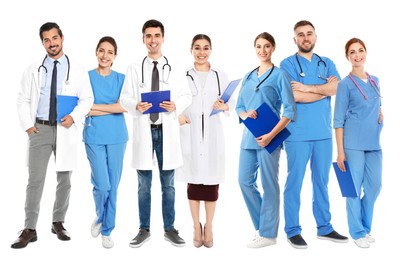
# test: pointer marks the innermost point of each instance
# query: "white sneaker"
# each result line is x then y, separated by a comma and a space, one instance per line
96, 228
370, 239
107, 242
259, 241
362, 242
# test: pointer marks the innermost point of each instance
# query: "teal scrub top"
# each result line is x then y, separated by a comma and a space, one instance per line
358, 116
106, 129
275, 91
314, 119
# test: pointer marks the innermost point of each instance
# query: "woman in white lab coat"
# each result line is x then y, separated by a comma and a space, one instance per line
202, 138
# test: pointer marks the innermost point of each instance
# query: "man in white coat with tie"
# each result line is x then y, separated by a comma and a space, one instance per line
159, 134
37, 109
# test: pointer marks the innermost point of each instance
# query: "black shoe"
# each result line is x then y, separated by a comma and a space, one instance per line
297, 242
26, 236
334, 237
60, 231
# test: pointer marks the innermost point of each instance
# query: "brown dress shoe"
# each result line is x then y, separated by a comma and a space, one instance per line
26, 236
60, 231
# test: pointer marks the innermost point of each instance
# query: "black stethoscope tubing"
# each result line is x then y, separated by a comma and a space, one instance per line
217, 78
259, 84
68, 67
302, 74
163, 69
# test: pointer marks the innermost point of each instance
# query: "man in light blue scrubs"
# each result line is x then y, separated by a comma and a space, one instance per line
314, 80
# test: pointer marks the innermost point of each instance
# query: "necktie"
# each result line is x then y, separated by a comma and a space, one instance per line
53, 93
155, 87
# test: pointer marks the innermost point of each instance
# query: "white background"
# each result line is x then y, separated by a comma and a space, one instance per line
232, 27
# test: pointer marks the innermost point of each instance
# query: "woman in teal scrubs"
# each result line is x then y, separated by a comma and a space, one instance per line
358, 121
105, 137
265, 84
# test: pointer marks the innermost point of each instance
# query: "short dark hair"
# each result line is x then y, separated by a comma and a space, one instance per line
153, 23
302, 23
47, 27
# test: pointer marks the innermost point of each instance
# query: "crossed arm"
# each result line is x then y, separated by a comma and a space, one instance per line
311, 93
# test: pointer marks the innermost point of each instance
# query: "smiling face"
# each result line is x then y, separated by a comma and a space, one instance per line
105, 54
153, 40
264, 49
201, 51
53, 43
305, 38
356, 54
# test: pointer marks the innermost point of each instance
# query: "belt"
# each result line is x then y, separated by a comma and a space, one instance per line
156, 126
45, 122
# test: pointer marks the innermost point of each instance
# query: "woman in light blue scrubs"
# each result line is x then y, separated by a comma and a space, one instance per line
265, 84
358, 122
105, 137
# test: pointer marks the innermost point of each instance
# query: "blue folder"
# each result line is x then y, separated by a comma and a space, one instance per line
345, 180
65, 105
227, 94
266, 120
155, 97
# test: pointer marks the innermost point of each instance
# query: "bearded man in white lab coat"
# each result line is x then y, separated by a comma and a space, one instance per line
47, 130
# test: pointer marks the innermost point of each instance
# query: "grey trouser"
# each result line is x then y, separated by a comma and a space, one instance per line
41, 146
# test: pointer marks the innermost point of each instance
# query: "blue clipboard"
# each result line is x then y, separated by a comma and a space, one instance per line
227, 94
155, 97
65, 105
266, 120
345, 180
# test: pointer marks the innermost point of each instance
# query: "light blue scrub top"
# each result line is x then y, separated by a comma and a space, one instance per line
106, 129
314, 119
357, 116
274, 91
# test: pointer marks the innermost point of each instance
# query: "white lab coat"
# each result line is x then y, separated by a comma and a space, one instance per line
204, 156
142, 156
67, 138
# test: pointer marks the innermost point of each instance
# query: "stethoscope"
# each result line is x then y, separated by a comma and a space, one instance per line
217, 79
68, 68
372, 83
302, 74
259, 84
163, 71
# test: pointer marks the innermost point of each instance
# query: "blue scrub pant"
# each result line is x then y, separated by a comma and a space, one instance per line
106, 163
366, 169
319, 153
263, 208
